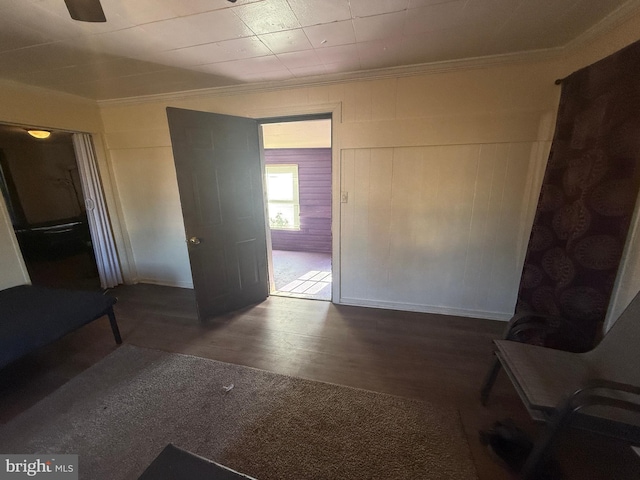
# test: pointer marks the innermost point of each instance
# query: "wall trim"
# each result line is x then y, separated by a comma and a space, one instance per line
164, 283
608, 23
331, 79
413, 307
295, 110
615, 18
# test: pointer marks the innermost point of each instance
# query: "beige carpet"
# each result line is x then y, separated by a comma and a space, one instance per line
119, 414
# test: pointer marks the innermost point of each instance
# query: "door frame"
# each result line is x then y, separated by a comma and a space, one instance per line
111, 214
286, 119
314, 112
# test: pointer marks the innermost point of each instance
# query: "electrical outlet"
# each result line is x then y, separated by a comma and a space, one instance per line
344, 197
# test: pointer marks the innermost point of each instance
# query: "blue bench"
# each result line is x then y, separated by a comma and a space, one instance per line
32, 317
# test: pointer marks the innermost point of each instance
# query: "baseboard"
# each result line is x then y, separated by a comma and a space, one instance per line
166, 283
412, 307
360, 302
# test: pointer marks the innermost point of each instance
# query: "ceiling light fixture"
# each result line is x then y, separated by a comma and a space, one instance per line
41, 134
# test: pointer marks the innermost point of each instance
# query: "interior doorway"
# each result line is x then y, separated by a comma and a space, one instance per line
42, 189
298, 181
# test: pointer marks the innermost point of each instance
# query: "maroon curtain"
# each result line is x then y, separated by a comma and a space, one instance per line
588, 196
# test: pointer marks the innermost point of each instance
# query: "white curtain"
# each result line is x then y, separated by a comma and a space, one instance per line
102, 237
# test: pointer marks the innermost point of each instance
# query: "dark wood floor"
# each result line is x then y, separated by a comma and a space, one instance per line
435, 358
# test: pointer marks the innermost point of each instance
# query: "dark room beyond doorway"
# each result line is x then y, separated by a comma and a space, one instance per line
42, 190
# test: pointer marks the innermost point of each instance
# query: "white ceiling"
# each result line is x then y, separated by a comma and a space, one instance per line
158, 46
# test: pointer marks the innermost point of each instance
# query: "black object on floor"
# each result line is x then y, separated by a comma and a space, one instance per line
512, 447
173, 463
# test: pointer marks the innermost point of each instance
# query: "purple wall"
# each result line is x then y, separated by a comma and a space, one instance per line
314, 176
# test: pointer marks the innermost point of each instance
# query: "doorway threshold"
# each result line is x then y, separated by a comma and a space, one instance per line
302, 274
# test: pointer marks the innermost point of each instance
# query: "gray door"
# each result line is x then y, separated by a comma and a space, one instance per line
217, 160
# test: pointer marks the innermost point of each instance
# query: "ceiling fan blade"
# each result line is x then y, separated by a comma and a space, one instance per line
86, 10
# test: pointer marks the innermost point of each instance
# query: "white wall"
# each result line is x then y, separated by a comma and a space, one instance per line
628, 281
483, 131
37, 107
12, 267
438, 226
146, 180
304, 134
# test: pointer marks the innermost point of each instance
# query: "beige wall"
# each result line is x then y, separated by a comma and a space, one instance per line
29, 106
482, 131
307, 134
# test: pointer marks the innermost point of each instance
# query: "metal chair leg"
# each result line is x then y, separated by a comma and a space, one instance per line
489, 381
541, 449
114, 326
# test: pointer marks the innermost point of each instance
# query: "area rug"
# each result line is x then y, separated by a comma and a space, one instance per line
119, 414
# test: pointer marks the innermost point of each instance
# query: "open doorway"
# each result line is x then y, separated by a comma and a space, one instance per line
298, 178
42, 190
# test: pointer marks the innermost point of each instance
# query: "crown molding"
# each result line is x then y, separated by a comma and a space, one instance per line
614, 19
322, 80
608, 23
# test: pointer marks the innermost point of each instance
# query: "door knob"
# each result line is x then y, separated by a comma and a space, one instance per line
194, 241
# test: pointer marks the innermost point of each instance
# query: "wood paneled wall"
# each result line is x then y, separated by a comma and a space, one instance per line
452, 113
437, 226
314, 177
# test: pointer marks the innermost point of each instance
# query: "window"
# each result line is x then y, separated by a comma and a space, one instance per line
283, 197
